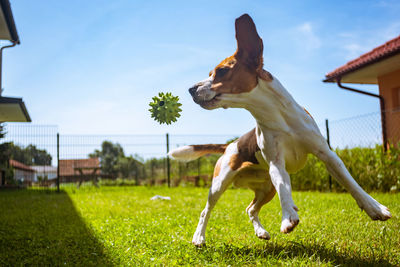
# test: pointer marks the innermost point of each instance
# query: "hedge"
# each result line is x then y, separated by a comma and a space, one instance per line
372, 168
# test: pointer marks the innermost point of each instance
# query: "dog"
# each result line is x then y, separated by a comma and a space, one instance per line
263, 158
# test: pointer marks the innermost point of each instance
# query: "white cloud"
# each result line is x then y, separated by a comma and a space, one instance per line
387, 4
354, 50
307, 35
357, 43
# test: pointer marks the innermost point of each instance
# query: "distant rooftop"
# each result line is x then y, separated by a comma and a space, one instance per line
18, 165
68, 167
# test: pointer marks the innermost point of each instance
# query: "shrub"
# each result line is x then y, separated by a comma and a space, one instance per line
372, 168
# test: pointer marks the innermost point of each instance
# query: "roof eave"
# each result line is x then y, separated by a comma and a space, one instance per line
8, 15
330, 80
339, 75
16, 100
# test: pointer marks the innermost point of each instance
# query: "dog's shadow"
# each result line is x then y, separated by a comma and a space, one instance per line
292, 250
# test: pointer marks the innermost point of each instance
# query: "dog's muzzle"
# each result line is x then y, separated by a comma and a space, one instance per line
203, 95
192, 90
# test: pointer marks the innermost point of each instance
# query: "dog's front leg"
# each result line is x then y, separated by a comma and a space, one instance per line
219, 184
281, 181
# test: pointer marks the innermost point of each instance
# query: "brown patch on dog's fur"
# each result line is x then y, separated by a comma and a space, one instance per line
265, 75
269, 196
217, 168
247, 147
246, 164
242, 69
239, 78
235, 162
210, 148
249, 44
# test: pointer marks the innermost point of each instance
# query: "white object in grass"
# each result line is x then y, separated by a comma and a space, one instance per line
160, 197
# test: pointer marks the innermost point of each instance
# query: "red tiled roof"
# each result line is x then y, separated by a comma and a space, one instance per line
18, 165
68, 167
388, 49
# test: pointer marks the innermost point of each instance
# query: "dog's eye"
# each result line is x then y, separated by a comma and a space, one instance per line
221, 72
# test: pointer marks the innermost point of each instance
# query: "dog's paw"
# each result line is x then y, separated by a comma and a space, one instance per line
262, 234
290, 221
198, 240
376, 211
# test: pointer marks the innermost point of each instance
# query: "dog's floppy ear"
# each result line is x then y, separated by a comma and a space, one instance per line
250, 45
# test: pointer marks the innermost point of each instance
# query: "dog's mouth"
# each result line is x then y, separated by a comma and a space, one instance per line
210, 103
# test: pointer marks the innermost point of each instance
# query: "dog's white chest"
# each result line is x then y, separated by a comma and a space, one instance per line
294, 153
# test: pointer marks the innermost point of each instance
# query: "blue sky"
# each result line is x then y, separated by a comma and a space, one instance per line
91, 67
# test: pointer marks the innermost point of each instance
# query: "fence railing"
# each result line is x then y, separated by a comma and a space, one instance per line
148, 152
363, 131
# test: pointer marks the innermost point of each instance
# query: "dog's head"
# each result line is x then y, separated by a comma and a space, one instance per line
236, 74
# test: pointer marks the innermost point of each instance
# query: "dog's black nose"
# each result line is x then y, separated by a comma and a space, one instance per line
193, 90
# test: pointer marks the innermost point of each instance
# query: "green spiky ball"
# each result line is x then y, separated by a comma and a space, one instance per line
165, 108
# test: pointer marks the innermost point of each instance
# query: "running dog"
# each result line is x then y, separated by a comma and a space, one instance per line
263, 158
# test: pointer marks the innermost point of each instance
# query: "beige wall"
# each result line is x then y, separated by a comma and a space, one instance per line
26, 176
389, 88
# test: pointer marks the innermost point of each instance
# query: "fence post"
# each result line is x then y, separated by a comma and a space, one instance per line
383, 123
168, 163
328, 139
58, 162
198, 172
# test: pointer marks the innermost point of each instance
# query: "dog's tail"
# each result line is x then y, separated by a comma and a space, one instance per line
192, 152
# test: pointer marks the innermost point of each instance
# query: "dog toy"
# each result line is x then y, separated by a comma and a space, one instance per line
165, 108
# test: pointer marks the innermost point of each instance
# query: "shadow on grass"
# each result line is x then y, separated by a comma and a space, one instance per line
44, 228
292, 250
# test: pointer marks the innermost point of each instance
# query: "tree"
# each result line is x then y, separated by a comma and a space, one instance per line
2, 132
6, 173
129, 167
29, 155
4, 148
108, 155
156, 167
38, 156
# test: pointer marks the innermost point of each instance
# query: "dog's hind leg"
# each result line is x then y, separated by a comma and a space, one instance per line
219, 184
338, 170
262, 197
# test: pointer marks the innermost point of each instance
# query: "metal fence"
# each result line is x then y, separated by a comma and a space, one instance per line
150, 150
363, 131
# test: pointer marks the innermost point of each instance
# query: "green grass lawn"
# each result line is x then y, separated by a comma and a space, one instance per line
122, 226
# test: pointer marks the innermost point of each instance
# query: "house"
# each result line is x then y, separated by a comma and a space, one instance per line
22, 173
44, 172
11, 109
379, 66
72, 170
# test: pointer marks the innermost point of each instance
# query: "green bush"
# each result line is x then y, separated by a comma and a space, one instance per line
372, 168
